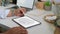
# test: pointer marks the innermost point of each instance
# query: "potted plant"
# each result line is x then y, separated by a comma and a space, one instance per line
47, 5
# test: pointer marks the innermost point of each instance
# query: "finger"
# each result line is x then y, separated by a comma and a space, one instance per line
20, 15
23, 9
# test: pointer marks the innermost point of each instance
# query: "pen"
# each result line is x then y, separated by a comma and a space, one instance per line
21, 12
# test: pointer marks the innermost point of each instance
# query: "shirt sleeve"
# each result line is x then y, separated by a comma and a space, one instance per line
4, 13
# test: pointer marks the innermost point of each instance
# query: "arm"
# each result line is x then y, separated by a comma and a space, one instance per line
17, 12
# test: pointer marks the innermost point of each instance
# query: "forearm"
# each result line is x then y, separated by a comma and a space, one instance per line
8, 13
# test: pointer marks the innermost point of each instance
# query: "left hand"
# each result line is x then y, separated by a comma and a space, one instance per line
16, 30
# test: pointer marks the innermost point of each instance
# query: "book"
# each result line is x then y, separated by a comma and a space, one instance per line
26, 22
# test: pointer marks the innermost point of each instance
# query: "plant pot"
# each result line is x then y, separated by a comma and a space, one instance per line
40, 5
48, 8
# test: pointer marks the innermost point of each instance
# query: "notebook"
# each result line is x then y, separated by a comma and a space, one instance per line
26, 22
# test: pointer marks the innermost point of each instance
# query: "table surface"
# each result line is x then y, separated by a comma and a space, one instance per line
43, 28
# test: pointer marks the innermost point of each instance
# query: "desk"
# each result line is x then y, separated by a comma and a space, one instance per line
43, 28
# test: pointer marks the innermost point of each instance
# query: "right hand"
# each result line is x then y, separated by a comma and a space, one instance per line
20, 12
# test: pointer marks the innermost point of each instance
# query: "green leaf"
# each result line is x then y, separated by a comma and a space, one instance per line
47, 3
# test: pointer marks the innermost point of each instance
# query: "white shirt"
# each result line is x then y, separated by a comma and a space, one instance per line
4, 13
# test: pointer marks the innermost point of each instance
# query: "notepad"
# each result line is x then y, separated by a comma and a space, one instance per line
26, 21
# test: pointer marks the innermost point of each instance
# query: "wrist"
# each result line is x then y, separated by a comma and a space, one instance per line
11, 13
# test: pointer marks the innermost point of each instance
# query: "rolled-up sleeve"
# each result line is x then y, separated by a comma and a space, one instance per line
4, 13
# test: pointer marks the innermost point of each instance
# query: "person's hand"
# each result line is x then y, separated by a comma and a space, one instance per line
16, 30
19, 12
